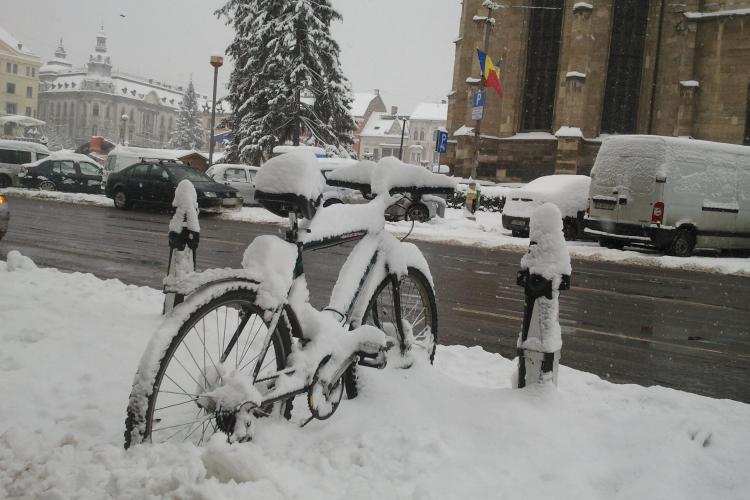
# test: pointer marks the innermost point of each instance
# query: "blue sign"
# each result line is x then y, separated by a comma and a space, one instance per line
477, 100
441, 146
477, 105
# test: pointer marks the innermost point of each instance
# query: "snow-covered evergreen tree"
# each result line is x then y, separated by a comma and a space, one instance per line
188, 133
282, 50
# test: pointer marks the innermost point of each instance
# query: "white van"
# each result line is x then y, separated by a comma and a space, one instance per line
676, 194
124, 156
13, 154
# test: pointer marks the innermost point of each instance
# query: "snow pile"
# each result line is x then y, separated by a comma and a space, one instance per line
186, 208
566, 131
455, 430
80, 198
296, 172
17, 262
568, 192
270, 261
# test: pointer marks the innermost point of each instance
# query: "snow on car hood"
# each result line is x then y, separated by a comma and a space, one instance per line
568, 192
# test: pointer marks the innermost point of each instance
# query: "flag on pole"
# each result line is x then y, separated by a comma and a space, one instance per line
490, 72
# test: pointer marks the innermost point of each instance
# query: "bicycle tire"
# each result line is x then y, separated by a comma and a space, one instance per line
139, 423
382, 302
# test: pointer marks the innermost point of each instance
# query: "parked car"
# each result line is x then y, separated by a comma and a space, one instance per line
13, 154
4, 216
672, 193
154, 183
70, 172
568, 192
240, 177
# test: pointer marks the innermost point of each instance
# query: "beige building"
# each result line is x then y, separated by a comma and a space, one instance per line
19, 78
574, 72
424, 122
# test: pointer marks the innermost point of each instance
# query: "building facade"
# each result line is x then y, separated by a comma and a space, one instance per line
95, 100
574, 72
19, 78
381, 136
364, 104
424, 124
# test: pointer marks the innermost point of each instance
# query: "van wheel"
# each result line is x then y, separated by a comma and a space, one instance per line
683, 243
570, 230
611, 243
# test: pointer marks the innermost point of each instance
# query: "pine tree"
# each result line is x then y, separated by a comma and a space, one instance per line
281, 50
188, 132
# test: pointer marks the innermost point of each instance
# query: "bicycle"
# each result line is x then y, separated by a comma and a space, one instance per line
242, 344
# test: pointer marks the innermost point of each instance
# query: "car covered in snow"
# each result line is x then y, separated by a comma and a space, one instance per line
14, 154
62, 171
4, 216
154, 183
240, 177
673, 193
568, 192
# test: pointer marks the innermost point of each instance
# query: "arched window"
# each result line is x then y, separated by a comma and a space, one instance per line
415, 135
747, 119
623, 87
542, 54
421, 135
95, 110
108, 112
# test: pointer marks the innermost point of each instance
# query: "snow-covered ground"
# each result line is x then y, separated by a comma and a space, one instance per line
71, 342
486, 232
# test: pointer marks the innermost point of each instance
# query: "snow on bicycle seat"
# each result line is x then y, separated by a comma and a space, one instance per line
391, 175
290, 183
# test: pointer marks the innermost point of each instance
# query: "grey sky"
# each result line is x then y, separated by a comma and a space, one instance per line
402, 47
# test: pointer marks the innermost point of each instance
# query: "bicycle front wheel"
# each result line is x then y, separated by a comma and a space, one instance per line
414, 305
225, 336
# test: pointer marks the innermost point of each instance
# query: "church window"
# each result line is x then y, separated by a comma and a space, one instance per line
621, 92
542, 54
95, 110
421, 135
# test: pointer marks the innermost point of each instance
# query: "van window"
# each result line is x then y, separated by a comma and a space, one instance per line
14, 157
111, 163
624, 168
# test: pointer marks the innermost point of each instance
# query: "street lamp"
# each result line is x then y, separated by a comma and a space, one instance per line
216, 62
404, 119
123, 127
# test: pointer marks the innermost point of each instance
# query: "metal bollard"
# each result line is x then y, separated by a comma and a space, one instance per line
545, 270
184, 236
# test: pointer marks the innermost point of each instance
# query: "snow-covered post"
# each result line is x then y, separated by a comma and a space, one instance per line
471, 204
545, 270
184, 235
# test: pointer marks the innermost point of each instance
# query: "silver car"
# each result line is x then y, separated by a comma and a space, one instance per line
240, 177
4, 216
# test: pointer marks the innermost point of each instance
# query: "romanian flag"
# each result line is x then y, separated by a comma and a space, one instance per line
490, 73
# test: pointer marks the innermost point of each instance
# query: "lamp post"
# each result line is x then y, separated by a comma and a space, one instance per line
216, 62
404, 119
123, 128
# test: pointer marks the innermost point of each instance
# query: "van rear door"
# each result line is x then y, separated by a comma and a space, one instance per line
636, 191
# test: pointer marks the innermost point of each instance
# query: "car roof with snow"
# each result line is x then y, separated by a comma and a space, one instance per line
64, 156
23, 146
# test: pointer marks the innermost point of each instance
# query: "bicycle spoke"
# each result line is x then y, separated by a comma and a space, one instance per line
176, 404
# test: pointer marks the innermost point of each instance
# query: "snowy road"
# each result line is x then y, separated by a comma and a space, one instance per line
676, 328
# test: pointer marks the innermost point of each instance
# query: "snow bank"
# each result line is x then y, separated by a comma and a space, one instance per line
80, 198
296, 172
455, 430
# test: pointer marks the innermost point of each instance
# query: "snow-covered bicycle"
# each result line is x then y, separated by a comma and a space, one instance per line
243, 343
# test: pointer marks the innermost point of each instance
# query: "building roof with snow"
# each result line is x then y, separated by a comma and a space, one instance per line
430, 111
364, 102
14, 44
382, 125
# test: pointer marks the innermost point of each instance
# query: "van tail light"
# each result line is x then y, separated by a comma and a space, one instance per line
657, 214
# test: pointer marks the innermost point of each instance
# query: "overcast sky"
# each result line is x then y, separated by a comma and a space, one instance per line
402, 47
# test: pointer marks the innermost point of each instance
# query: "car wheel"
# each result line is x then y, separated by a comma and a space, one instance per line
683, 243
418, 212
331, 201
47, 186
570, 230
5, 181
121, 200
611, 243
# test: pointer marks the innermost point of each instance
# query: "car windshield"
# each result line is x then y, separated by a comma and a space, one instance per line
188, 173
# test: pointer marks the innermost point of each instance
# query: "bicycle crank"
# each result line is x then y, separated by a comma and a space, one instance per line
327, 388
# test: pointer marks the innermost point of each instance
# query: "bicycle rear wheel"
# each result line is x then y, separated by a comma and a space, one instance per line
221, 338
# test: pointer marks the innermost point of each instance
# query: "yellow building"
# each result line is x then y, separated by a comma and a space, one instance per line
19, 77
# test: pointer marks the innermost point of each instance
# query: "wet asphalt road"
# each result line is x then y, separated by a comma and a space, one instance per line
681, 329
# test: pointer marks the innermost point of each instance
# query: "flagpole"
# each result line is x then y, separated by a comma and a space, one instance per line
477, 128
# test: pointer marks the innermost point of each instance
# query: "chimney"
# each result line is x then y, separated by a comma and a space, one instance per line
377, 91
20, 46
394, 110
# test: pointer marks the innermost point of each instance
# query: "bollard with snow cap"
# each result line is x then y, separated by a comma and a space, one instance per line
545, 270
184, 235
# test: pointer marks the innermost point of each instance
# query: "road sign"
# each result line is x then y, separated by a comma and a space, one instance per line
477, 105
441, 145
